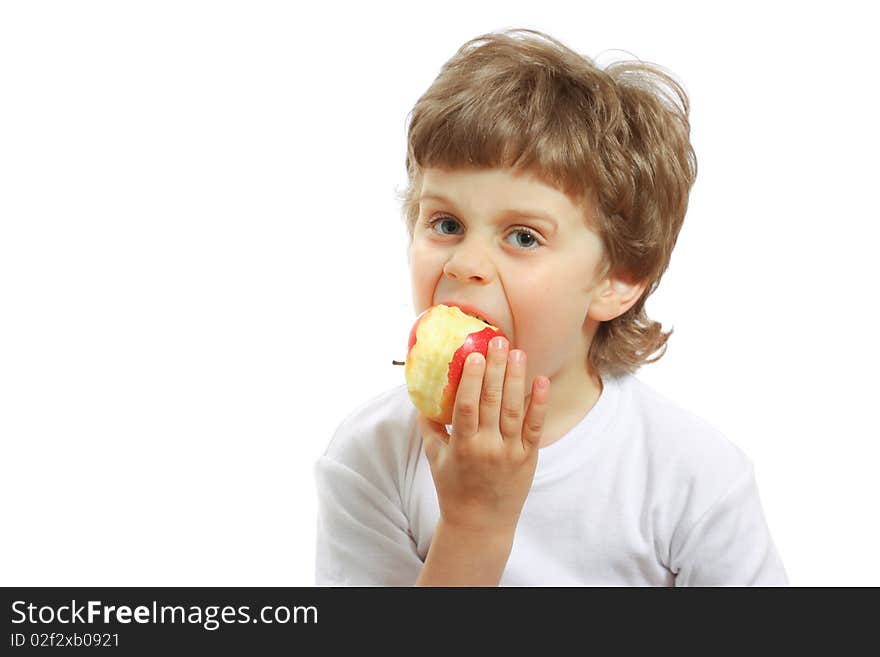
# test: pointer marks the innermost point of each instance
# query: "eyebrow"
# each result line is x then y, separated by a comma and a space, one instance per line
512, 212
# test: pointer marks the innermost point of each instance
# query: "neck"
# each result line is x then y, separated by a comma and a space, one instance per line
572, 394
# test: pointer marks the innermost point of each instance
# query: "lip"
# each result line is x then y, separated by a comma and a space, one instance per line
473, 310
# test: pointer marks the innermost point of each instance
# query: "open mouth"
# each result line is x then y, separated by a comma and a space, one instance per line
472, 312
475, 316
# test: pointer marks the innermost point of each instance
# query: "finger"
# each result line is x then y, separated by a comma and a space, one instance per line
465, 412
493, 384
533, 426
514, 391
434, 435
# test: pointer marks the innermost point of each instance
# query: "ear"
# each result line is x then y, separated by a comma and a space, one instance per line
613, 296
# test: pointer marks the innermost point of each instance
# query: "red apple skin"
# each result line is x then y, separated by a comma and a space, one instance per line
477, 341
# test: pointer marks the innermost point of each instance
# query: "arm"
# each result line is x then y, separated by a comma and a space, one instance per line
459, 557
362, 536
483, 469
363, 540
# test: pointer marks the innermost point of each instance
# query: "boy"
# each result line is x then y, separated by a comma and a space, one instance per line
547, 194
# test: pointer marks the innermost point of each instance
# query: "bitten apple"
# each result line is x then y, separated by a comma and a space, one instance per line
439, 342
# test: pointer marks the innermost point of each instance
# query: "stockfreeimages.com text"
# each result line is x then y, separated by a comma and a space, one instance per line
209, 616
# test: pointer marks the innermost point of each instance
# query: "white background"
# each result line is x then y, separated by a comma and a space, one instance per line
203, 266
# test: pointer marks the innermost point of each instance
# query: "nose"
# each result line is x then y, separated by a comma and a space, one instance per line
468, 261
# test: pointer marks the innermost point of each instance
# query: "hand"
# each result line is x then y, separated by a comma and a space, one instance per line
483, 469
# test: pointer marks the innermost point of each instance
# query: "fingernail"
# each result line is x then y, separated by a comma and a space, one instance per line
497, 343
476, 359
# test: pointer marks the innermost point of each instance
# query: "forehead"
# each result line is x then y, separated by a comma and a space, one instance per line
491, 189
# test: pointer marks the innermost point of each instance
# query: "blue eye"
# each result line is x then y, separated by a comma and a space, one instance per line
532, 238
528, 234
442, 220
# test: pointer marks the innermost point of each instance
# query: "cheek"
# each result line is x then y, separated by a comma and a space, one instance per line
548, 327
528, 304
425, 270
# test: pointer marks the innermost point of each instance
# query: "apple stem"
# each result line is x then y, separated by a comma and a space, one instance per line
398, 362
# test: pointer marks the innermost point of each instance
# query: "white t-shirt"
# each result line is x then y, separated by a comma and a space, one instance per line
639, 493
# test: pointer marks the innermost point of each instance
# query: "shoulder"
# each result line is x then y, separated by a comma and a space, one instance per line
683, 437
383, 418
379, 438
689, 465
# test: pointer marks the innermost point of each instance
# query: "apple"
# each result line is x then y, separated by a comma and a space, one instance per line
439, 342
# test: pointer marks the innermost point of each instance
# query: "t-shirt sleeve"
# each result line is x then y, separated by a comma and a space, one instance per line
363, 537
730, 544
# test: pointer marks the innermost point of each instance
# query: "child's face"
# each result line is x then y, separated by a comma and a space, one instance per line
533, 277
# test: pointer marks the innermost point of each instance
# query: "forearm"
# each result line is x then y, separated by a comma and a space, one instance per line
461, 557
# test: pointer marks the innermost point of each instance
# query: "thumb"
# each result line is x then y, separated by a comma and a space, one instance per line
433, 434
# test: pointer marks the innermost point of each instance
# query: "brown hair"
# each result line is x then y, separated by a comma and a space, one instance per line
613, 139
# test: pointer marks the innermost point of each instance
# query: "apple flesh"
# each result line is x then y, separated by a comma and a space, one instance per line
439, 342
